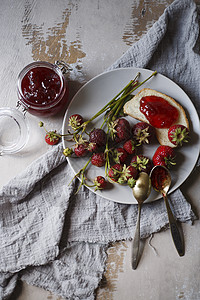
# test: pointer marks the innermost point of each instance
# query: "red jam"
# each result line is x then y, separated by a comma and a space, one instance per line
158, 111
158, 178
42, 89
41, 86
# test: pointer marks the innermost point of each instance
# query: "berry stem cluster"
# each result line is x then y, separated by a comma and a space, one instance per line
112, 110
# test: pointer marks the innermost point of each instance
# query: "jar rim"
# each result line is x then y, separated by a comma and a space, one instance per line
27, 104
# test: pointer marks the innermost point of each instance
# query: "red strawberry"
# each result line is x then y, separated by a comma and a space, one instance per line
128, 175
122, 129
178, 134
92, 147
100, 183
52, 138
141, 163
98, 159
98, 136
143, 132
81, 150
115, 171
164, 156
130, 146
132, 172
131, 178
119, 155
75, 121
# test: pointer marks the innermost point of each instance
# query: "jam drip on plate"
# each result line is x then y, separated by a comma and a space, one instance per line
158, 111
41, 86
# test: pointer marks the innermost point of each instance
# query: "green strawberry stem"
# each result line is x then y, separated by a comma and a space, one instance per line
114, 101
81, 175
109, 104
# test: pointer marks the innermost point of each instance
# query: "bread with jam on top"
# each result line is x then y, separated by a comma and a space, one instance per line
132, 108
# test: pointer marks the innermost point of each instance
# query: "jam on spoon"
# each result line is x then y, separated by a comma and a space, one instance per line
158, 111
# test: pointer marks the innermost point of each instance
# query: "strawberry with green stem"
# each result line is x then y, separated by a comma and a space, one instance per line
51, 137
164, 156
178, 134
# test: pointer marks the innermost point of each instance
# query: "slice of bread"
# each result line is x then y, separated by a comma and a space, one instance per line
132, 108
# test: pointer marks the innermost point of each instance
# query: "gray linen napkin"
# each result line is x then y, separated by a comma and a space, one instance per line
56, 240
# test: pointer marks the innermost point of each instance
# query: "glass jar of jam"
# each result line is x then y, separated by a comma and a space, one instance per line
42, 91
42, 88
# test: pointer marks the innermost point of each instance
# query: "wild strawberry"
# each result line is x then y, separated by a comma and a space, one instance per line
178, 134
130, 146
100, 183
143, 132
128, 175
81, 150
131, 172
141, 163
122, 130
164, 156
119, 155
92, 147
52, 138
98, 136
115, 172
98, 159
75, 121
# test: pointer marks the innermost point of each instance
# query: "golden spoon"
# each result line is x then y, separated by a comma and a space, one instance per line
141, 191
161, 181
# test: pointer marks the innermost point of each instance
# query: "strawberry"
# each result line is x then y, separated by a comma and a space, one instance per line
132, 172
128, 175
52, 138
122, 130
164, 156
119, 155
115, 171
178, 134
81, 150
131, 176
100, 183
92, 147
141, 163
130, 147
143, 133
98, 136
98, 159
75, 121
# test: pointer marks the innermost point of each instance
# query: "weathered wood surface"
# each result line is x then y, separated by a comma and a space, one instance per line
90, 35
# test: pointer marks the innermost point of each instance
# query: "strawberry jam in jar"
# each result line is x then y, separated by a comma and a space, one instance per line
42, 88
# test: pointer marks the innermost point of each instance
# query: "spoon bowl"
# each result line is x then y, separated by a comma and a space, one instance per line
161, 182
142, 188
141, 191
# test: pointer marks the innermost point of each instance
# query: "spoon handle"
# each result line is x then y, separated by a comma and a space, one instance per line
136, 241
175, 231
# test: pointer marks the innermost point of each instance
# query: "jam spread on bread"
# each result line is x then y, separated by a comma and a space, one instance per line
158, 111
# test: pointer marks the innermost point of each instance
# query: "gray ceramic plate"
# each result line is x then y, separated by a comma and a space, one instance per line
100, 90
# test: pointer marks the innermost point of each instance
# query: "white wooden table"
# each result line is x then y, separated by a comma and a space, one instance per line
90, 35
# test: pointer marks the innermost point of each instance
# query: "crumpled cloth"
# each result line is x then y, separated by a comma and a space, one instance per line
54, 239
